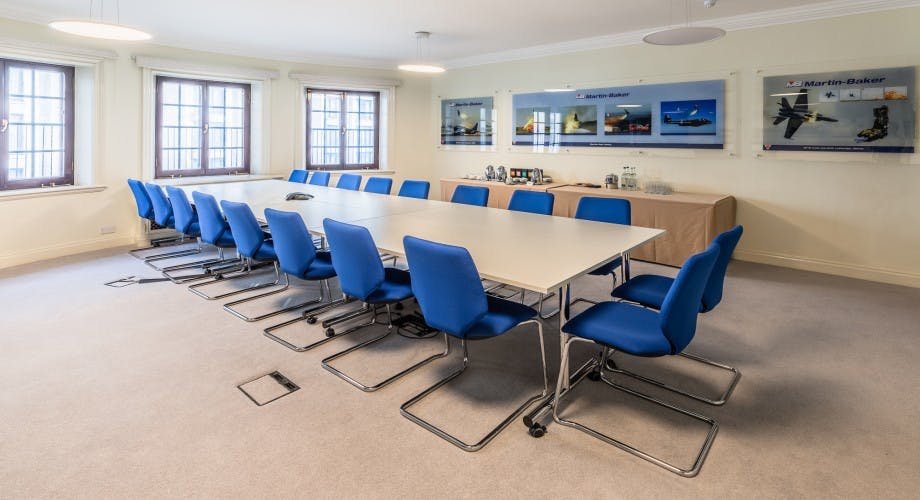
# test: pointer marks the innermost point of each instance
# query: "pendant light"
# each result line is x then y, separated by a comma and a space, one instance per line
96, 27
687, 34
421, 64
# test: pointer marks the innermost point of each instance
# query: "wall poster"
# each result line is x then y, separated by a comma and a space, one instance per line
667, 115
467, 121
863, 111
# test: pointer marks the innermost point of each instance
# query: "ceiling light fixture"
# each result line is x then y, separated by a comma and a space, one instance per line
687, 34
96, 27
421, 64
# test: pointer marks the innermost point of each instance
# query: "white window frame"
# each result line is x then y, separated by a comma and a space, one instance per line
259, 122
387, 119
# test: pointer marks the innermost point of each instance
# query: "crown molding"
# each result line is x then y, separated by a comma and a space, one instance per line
53, 52
343, 81
164, 64
804, 13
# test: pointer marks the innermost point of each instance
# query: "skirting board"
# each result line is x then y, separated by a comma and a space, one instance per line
827, 267
62, 250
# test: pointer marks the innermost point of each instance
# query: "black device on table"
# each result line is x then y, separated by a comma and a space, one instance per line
298, 196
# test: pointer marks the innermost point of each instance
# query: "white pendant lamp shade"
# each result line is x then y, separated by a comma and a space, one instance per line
685, 35
96, 27
421, 63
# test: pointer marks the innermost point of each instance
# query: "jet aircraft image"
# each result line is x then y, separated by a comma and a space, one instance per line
797, 114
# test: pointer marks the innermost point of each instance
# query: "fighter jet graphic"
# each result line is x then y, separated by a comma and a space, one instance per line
467, 125
696, 122
797, 114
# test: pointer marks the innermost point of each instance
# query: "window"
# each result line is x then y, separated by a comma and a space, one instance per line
342, 129
202, 127
36, 124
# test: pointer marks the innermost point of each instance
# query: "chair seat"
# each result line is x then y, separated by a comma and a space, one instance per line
624, 327
194, 230
606, 268
266, 252
321, 267
225, 240
646, 289
395, 287
170, 222
502, 316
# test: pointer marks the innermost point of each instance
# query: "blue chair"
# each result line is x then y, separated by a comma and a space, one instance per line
320, 179
298, 175
471, 195
145, 211
349, 181
642, 332
253, 246
535, 202
298, 257
363, 277
414, 189
187, 223
379, 185
447, 287
163, 216
651, 290
611, 211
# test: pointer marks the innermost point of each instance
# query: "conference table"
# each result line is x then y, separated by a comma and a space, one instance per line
539, 253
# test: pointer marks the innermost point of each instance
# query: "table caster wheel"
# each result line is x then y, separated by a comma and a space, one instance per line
594, 376
399, 306
537, 430
330, 332
311, 319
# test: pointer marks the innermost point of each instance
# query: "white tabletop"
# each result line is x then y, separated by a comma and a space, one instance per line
536, 252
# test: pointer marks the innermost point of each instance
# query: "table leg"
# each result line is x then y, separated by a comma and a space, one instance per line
625, 266
532, 419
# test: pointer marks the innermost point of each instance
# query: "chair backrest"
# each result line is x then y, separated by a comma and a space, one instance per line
612, 210
381, 185
354, 257
211, 220
141, 199
247, 233
471, 195
682, 303
292, 242
414, 189
162, 209
349, 181
535, 202
182, 209
727, 242
446, 284
320, 179
298, 175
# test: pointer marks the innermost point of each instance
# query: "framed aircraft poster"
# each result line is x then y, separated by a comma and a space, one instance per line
862, 111
665, 115
467, 121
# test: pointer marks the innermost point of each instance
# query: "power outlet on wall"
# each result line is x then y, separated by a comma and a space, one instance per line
106, 229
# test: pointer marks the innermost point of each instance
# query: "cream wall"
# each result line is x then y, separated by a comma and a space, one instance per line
50, 226
850, 214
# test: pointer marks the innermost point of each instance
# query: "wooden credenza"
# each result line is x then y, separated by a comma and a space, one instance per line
691, 220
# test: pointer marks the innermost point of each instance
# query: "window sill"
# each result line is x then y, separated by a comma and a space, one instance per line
23, 194
358, 171
213, 179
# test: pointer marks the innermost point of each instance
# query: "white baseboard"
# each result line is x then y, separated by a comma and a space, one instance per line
63, 249
882, 275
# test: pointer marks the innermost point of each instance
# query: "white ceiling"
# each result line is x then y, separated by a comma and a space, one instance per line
379, 33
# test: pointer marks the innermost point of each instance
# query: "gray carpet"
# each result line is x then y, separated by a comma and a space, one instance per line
131, 393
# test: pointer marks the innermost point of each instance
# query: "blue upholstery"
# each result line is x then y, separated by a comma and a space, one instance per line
643, 332
447, 286
298, 175
349, 181
251, 241
380, 185
214, 229
535, 202
141, 199
294, 246
320, 179
610, 210
186, 219
162, 209
414, 189
650, 290
471, 195
357, 263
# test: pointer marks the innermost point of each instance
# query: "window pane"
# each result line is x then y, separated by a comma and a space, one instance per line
367, 104
49, 110
318, 119
234, 97
216, 96
189, 94
170, 116
191, 137
190, 116
20, 80
216, 117
20, 110
234, 117
20, 138
49, 83
216, 158
169, 93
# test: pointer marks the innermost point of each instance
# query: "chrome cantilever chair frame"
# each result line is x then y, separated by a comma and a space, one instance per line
310, 317
247, 267
372, 310
599, 374
285, 282
404, 409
